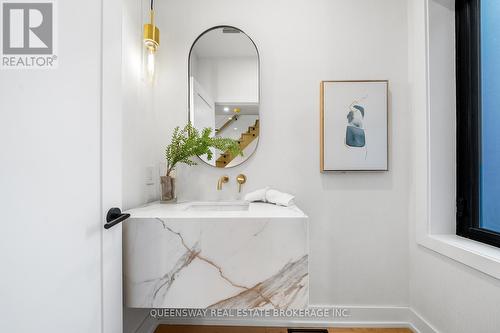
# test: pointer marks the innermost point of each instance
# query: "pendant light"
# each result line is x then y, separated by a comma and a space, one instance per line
151, 43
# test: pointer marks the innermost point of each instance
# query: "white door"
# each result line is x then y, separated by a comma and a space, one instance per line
60, 168
202, 112
111, 162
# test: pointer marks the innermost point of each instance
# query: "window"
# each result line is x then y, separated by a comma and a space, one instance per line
478, 120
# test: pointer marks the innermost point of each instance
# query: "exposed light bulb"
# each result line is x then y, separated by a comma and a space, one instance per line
226, 109
151, 40
150, 64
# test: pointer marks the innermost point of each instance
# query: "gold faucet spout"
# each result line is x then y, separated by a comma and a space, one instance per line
222, 180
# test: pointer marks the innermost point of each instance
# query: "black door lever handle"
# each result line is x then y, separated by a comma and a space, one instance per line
114, 217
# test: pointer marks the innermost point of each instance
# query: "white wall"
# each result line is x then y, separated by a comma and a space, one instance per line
358, 221
49, 184
144, 131
237, 80
203, 107
144, 126
449, 295
229, 79
442, 117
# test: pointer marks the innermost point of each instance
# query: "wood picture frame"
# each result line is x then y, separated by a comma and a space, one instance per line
354, 125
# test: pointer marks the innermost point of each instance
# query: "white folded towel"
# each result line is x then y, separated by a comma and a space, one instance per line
279, 198
257, 195
272, 196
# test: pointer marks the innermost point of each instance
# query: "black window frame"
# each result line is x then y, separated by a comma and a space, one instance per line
468, 93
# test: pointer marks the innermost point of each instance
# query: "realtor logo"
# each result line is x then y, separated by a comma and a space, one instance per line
28, 34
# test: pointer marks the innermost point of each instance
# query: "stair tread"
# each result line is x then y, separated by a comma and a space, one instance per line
245, 139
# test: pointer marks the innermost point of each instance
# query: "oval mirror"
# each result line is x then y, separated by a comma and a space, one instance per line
224, 90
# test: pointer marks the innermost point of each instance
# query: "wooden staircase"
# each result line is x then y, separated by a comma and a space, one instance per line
245, 139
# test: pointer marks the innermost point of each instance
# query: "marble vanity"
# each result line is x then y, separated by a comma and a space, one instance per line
216, 255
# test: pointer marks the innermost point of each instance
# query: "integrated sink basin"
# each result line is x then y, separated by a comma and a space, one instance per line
235, 255
217, 206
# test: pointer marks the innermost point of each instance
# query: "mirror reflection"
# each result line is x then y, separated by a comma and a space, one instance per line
224, 90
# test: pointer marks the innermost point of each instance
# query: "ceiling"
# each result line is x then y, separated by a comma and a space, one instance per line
216, 43
245, 108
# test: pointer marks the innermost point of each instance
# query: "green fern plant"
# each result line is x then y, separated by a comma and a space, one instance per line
188, 142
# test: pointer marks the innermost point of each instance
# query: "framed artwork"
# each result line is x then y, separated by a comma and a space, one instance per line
353, 121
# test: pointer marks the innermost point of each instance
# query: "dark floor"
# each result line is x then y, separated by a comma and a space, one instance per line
239, 329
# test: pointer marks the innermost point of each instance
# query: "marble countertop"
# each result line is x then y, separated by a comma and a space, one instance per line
216, 255
182, 210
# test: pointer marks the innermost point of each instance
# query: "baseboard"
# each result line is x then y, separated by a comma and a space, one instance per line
148, 325
359, 317
419, 324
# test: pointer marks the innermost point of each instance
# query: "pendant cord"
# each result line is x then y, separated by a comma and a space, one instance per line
152, 4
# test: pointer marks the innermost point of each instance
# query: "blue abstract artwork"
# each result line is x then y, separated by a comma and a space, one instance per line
354, 119
355, 134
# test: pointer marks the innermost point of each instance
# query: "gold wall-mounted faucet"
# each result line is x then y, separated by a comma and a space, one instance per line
241, 179
222, 179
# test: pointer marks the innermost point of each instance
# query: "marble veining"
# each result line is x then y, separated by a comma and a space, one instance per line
279, 291
216, 262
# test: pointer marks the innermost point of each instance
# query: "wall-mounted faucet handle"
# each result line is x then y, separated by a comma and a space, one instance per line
241, 179
222, 179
